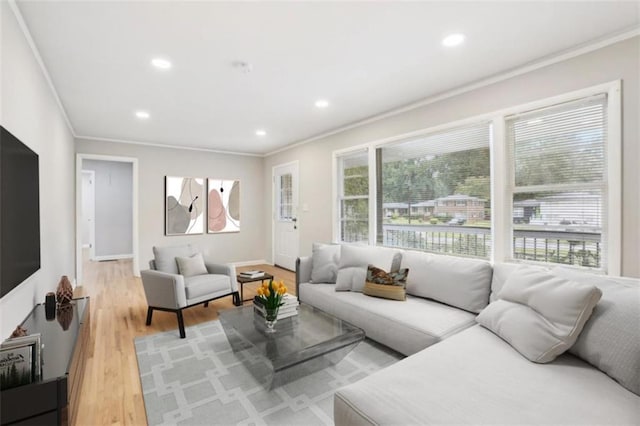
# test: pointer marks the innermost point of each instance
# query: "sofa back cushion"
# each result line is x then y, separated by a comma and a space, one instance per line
325, 262
165, 257
456, 281
354, 261
540, 314
610, 340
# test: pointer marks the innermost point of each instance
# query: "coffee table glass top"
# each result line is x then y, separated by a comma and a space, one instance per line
300, 345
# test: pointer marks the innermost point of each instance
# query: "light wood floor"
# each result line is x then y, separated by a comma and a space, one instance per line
111, 391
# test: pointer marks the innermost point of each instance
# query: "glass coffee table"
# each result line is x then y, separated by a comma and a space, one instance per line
301, 345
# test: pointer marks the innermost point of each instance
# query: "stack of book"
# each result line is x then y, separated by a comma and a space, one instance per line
288, 309
252, 274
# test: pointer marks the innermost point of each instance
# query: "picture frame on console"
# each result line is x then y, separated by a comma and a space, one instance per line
20, 361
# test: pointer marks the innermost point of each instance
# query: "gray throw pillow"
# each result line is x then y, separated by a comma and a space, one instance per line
165, 257
191, 266
610, 340
325, 260
354, 261
540, 314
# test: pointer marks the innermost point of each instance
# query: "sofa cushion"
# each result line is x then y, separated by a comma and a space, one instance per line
202, 285
354, 260
165, 257
407, 327
609, 340
326, 258
191, 266
476, 378
456, 281
540, 314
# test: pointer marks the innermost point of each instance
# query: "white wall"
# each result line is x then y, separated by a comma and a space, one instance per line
113, 207
30, 112
617, 61
155, 163
88, 208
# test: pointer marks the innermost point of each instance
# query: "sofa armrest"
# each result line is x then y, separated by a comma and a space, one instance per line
224, 269
164, 290
303, 272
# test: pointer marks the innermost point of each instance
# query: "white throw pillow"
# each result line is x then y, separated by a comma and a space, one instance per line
540, 314
354, 260
325, 261
191, 266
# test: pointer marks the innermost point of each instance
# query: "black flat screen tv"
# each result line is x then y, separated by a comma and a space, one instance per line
19, 212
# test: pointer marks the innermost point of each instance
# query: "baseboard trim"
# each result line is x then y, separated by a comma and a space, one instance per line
113, 257
252, 262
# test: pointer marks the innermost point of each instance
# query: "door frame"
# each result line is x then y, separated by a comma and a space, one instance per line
296, 188
92, 227
134, 228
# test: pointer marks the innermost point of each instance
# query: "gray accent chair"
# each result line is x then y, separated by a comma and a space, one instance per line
167, 290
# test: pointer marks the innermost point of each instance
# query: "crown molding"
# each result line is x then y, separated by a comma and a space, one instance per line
540, 63
160, 145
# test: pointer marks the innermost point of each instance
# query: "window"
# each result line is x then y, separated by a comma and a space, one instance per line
353, 193
558, 160
435, 192
286, 197
535, 183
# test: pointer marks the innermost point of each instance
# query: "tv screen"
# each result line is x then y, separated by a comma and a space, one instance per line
19, 212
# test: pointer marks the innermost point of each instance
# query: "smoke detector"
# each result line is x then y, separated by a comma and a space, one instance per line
242, 66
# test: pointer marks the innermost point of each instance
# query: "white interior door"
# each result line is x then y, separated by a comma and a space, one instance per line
88, 211
286, 243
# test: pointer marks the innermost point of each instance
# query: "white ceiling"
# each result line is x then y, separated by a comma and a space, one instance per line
366, 58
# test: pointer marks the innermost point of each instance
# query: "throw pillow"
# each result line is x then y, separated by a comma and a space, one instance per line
352, 272
191, 266
387, 285
540, 314
165, 257
325, 260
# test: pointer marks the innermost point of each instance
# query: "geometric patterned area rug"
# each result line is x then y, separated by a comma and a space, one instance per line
201, 381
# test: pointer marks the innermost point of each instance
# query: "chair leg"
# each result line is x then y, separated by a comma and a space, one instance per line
149, 315
181, 324
206, 304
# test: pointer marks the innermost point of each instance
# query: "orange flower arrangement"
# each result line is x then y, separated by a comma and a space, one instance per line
271, 294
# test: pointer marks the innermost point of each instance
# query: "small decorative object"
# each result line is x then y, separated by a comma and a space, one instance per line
270, 295
20, 361
50, 306
64, 292
18, 332
64, 313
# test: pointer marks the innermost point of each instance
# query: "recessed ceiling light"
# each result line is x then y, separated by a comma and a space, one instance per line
261, 132
142, 115
160, 63
322, 103
453, 40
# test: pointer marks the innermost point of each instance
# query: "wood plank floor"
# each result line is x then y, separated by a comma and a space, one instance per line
111, 390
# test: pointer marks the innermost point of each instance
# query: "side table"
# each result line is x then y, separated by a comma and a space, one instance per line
243, 280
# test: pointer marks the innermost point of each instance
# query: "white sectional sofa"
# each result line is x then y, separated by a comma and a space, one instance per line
460, 372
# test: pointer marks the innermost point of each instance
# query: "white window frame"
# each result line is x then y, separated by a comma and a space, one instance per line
501, 172
611, 185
